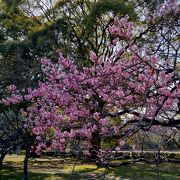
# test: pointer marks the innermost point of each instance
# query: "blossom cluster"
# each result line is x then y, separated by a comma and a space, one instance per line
164, 9
73, 103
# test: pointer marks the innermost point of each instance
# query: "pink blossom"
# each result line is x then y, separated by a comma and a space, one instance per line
142, 77
122, 142
94, 58
96, 116
62, 141
38, 138
103, 122
12, 88
25, 126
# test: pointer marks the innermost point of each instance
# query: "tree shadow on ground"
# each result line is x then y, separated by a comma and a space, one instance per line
12, 173
56, 169
147, 172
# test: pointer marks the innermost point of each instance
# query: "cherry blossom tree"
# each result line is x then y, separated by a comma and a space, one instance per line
126, 91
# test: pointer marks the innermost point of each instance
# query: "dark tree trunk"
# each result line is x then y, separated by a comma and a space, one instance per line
25, 176
157, 165
96, 145
3, 154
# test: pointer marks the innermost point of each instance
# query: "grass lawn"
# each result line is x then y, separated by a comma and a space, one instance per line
55, 169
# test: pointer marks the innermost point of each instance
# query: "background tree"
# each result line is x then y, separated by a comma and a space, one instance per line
34, 29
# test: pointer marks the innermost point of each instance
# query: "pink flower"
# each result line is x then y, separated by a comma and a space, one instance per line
115, 41
125, 74
116, 129
142, 77
103, 122
96, 116
11, 88
62, 140
93, 57
168, 103
25, 126
151, 82
71, 134
120, 93
38, 138
86, 152
122, 142
131, 85
165, 92
129, 98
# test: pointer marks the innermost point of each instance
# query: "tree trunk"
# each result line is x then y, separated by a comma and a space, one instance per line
25, 176
96, 145
3, 154
157, 165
